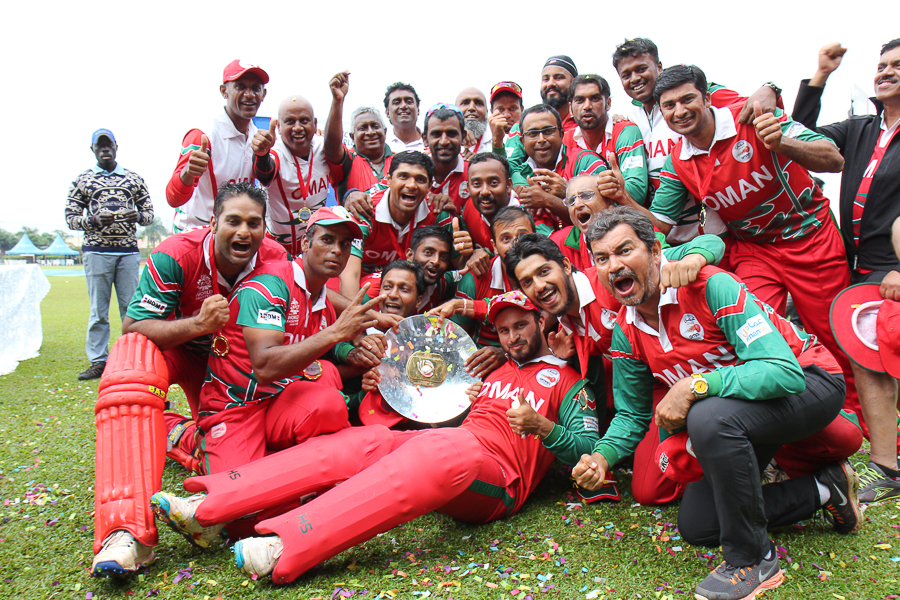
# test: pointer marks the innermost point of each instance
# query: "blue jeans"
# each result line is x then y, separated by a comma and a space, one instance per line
101, 271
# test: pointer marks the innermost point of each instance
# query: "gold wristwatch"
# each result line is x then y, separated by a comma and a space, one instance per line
699, 386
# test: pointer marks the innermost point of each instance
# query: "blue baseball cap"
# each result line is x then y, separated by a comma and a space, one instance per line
101, 132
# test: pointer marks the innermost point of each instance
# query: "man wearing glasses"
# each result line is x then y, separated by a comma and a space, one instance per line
194, 183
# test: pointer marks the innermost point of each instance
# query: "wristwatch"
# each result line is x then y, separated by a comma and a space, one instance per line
775, 88
699, 386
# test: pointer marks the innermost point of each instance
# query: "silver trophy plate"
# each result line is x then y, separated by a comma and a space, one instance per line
422, 373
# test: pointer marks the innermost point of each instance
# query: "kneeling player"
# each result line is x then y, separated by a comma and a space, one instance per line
529, 412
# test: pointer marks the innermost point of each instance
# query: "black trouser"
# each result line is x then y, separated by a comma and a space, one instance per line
734, 440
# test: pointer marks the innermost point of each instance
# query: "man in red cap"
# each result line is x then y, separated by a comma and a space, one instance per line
223, 155
506, 108
529, 412
741, 379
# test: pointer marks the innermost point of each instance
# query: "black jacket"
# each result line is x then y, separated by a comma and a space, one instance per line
856, 138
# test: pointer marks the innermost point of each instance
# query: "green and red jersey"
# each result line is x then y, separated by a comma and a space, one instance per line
177, 279
455, 184
356, 171
275, 297
714, 326
480, 290
625, 140
761, 196
554, 390
384, 239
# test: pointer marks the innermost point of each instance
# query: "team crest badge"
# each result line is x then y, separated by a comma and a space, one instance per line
690, 327
742, 151
464, 190
608, 318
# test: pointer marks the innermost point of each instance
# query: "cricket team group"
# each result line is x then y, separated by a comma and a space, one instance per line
663, 286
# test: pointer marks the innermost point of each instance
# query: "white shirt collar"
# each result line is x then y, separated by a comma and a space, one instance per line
560, 158
383, 213
547, 358
578, 136
222, 281
585, 291
725, 129
300, 280
225, 127
497, 274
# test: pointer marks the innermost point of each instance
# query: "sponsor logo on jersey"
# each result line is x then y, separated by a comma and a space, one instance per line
632, 162
742, 151
608, 318
152, 304
591, 424
268, 317
755, 328
690, 327
293, 312
548, 377
218, 430
795, 130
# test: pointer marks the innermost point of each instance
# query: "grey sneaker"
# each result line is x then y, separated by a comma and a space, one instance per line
178, 513
875, 486
95, 371
727, 582
121, 555
258, 555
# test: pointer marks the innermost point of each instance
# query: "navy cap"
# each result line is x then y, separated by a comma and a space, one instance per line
101, 132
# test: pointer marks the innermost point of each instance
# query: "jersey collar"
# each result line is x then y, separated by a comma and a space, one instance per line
585, 291
633, 317
222, 282
226, 129
725, 129
300, 280
578, 136
547, 358
560, 160
383, 212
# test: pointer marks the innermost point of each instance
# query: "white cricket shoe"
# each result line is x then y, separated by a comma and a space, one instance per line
178, 513
258, 555
121, 555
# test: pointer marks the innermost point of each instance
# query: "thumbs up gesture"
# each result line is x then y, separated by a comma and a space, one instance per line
611, 183
462, 241
198, 162
768, 128
263, 139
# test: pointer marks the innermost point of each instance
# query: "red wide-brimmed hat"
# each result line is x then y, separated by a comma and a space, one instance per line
854, 316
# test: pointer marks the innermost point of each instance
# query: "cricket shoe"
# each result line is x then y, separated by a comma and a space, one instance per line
843, 506
876, 486
178, 513
727, 582
121, 555
258, 555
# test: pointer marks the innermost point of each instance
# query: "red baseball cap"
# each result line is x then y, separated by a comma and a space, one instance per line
676, 459
506, 86
854, 316
887, 329
335, 215
237, 67
507, 299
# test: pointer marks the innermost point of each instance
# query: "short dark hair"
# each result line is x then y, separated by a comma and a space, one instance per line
501, 94
530, 244
539, 108
486, 156
593, 79
445, 114
420, 234
405, 265
678, 75
634, 47
412, 157
230, 190
890, 46
607, 220
399, 85
508, 214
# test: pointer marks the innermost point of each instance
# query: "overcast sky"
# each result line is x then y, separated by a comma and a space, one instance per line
151, 71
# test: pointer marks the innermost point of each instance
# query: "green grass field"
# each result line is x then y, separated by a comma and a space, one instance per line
555, 548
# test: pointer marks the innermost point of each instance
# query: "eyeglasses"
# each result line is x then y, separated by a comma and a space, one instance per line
507, 85
533, 134
584, 196
445, 106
